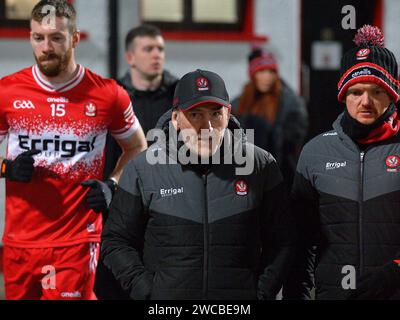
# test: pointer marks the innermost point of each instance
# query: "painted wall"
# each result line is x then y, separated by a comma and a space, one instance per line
391, 26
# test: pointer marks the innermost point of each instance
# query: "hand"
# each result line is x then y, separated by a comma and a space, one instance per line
263, 291
143, 286
380, 284
21, 168
100, 195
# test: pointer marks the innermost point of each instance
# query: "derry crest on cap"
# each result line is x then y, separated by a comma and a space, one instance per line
202, 84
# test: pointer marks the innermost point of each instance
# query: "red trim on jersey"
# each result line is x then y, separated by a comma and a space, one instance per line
37, 79
125, 129
62, 87
130, 127
78, 78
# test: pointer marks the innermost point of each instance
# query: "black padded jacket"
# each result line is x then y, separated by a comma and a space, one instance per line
178, 232
347, 204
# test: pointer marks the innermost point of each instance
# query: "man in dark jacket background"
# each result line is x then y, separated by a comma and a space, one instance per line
346, 192
151, 89
183, 225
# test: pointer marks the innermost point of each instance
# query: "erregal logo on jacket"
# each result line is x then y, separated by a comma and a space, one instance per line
335, 165
170, 192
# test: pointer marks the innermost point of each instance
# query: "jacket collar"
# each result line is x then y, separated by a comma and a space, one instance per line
167, 81
347, 140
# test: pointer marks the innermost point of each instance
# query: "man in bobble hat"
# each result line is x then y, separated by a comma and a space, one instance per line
347, 186
197, 229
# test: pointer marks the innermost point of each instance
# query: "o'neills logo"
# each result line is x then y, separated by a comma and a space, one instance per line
58, 100
363, 72
170, 192
75, 294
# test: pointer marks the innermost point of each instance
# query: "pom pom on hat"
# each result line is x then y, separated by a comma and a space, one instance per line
369, 36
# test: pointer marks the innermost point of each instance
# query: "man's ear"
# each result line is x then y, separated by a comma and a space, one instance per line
174, 119
76, 38
130, 58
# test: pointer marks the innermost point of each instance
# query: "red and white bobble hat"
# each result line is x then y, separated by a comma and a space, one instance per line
370, 61
260, 59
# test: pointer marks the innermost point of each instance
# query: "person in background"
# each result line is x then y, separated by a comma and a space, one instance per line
150, 87
275, 112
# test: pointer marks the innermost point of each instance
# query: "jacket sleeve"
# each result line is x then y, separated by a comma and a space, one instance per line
278, 235
303, 204
294, 134
296, 123
123, 237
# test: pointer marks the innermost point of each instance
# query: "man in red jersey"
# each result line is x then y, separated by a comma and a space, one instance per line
56, 115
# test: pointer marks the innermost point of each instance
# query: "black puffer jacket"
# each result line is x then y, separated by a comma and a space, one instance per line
178, 232
347, 203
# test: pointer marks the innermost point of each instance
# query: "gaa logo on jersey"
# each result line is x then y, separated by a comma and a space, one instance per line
241, 188
392, 163
202, 84
90, 109
23, 104
363, 54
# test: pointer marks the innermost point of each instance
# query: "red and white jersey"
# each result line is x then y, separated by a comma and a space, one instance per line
68, 124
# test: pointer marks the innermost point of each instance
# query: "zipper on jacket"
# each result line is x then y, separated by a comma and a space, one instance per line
360, 213
206, 241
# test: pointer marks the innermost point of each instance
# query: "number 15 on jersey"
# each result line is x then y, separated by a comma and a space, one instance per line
57, 110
